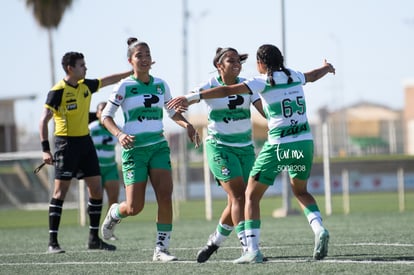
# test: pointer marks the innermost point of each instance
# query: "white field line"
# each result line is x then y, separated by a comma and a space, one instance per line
339, 261
221, 248
212, 262
376, 244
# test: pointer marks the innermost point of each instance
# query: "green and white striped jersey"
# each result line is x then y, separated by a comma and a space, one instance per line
229, 118
284, 106
104, 143
142, 106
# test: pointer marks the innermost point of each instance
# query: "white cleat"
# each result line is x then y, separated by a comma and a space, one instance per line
108, 226
162, 255
321, 245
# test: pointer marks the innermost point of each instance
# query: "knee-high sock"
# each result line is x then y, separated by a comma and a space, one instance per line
313, 215
163, 236
221, 234
94, 211
241, 234
55, 212
252, 229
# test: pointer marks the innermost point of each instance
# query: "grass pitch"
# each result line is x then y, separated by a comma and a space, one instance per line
373, 238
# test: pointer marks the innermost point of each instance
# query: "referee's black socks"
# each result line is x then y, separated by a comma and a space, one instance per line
94, 211
55, 212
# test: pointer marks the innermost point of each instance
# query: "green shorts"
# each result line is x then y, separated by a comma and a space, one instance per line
109, 173
294, 157
227, 162
138, 161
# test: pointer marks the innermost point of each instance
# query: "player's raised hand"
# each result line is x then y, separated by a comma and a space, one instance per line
331, 68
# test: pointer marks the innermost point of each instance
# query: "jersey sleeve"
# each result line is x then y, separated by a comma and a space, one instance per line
167, 98
93, 84
167, 93
53, 100
254, 97
298, 75
116, 98
255, 85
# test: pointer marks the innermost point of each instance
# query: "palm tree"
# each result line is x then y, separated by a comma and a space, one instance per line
48, 14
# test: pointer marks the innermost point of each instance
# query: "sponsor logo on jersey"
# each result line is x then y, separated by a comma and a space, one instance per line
150, 99
72, 106
234, 101
294, 130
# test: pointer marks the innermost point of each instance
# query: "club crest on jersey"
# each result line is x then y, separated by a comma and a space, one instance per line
118, 97
225, 171
130, 174
86, 93
159, 90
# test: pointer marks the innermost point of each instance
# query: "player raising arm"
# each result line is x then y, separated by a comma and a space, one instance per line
289, 136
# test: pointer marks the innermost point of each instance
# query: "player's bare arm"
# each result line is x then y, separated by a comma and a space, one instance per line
320, 72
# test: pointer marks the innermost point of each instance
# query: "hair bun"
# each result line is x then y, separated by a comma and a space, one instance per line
132, 40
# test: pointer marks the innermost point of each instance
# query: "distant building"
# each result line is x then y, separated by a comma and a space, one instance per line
8, 128
366, 128
409, 117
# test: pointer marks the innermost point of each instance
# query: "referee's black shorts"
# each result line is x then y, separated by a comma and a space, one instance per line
75, 157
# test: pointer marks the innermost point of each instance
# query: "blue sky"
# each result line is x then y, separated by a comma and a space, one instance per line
370, 43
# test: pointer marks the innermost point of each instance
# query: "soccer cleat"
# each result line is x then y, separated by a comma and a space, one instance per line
98, 244
205, 253
321, 245
162, 255
250, 258
55, 249
108, 226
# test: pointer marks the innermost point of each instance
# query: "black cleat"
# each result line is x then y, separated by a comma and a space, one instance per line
54, 248
101, 245
205, 253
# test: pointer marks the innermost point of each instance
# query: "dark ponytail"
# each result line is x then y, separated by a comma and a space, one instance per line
271, 56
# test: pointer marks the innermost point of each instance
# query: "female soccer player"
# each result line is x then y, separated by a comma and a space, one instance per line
229, 146
289, 145
145, 150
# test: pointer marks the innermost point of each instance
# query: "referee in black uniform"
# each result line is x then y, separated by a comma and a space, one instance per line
68, 103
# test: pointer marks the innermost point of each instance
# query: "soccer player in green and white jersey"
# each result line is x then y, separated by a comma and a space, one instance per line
229, 146
105, 143
145, 153
289, 145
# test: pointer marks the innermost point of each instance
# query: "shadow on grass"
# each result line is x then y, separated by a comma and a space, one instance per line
372, 258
